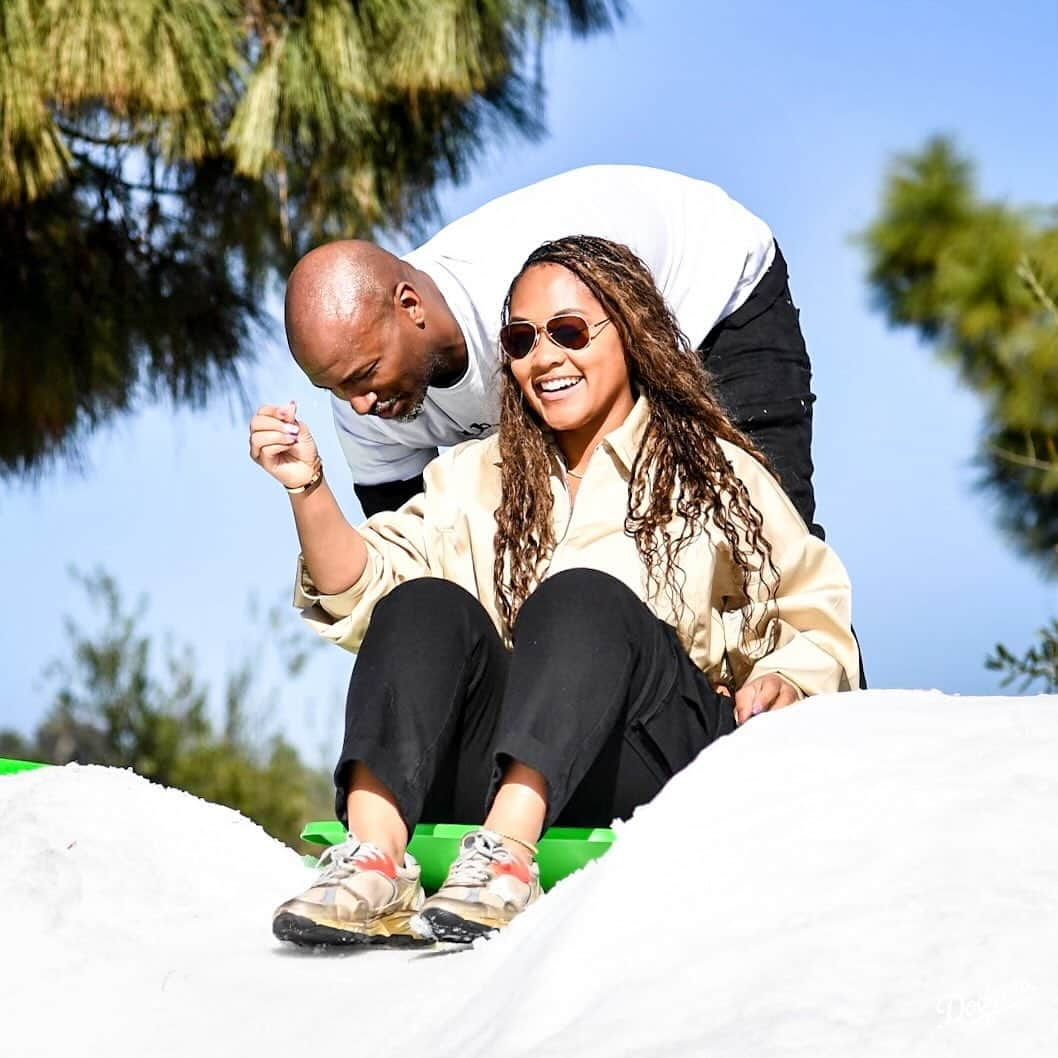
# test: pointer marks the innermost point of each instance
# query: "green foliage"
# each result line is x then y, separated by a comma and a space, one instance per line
161, 161
110, 708
1039, 664
979, 281
15, 746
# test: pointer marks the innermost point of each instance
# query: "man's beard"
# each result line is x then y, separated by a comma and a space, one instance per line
436, 367
413, 412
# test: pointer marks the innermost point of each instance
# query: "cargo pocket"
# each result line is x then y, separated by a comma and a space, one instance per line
673, 732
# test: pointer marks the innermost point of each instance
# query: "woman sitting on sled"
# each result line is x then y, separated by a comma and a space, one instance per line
549, 632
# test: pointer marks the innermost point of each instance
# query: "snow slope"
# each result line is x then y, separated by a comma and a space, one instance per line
864, 874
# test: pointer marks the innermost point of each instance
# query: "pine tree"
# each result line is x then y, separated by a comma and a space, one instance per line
1037, 666
163, 161
978, 280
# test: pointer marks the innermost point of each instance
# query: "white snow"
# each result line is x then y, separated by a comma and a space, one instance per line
864, 874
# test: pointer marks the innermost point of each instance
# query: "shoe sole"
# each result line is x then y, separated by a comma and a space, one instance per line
296, 929
450, 927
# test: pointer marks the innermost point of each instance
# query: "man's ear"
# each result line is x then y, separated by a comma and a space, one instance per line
408, 301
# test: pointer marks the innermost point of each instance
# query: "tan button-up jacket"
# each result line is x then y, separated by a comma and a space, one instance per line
449, 529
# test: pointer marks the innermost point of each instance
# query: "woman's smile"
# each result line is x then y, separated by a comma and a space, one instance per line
558, 387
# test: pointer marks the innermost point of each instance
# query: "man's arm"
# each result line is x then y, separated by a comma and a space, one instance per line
388, 496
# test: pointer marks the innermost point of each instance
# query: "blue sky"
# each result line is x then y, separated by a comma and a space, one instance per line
796, 111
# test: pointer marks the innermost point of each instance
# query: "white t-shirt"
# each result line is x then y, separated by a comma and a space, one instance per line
706, 253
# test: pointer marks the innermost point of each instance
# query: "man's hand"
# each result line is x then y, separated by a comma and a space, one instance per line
760, 696
282, 445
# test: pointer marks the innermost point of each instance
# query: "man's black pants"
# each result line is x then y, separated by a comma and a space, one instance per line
597, 695
762, 375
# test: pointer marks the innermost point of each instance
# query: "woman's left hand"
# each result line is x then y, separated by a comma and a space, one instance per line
761, 695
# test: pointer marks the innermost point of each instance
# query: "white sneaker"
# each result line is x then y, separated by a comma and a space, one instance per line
361, 896
485, 888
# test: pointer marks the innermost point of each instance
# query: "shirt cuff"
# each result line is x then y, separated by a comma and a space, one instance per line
307, 595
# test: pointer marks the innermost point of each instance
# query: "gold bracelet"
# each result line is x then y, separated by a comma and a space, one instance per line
317, 474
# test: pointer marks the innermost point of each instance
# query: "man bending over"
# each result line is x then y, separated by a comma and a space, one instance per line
408, 348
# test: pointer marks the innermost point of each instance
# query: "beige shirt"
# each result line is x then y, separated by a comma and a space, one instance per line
449, 530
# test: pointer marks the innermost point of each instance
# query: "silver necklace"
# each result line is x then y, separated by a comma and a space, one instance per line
573, 474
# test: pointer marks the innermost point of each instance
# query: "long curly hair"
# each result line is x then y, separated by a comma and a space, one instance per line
680, 471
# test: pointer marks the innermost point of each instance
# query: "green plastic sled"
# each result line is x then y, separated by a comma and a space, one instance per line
9, 766
563, 850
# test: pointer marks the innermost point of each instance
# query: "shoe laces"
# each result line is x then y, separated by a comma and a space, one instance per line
341, 860
475, 858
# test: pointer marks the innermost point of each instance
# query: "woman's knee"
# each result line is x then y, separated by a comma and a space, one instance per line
579, 596
426, 595
428, 603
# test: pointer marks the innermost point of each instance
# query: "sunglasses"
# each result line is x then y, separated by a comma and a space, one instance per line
568, 331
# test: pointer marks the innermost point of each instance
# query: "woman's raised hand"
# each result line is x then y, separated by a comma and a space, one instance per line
332, 549
282, 445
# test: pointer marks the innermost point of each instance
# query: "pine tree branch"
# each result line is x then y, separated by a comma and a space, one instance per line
114, 177
1031, 279
1024, 461
96, 141
284, 203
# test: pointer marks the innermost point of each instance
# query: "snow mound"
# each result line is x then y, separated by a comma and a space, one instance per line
872, 873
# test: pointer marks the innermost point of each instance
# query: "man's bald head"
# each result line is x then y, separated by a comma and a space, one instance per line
371, 328
349, 282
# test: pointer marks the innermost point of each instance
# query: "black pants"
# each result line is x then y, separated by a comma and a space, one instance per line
597, 695
760, 368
